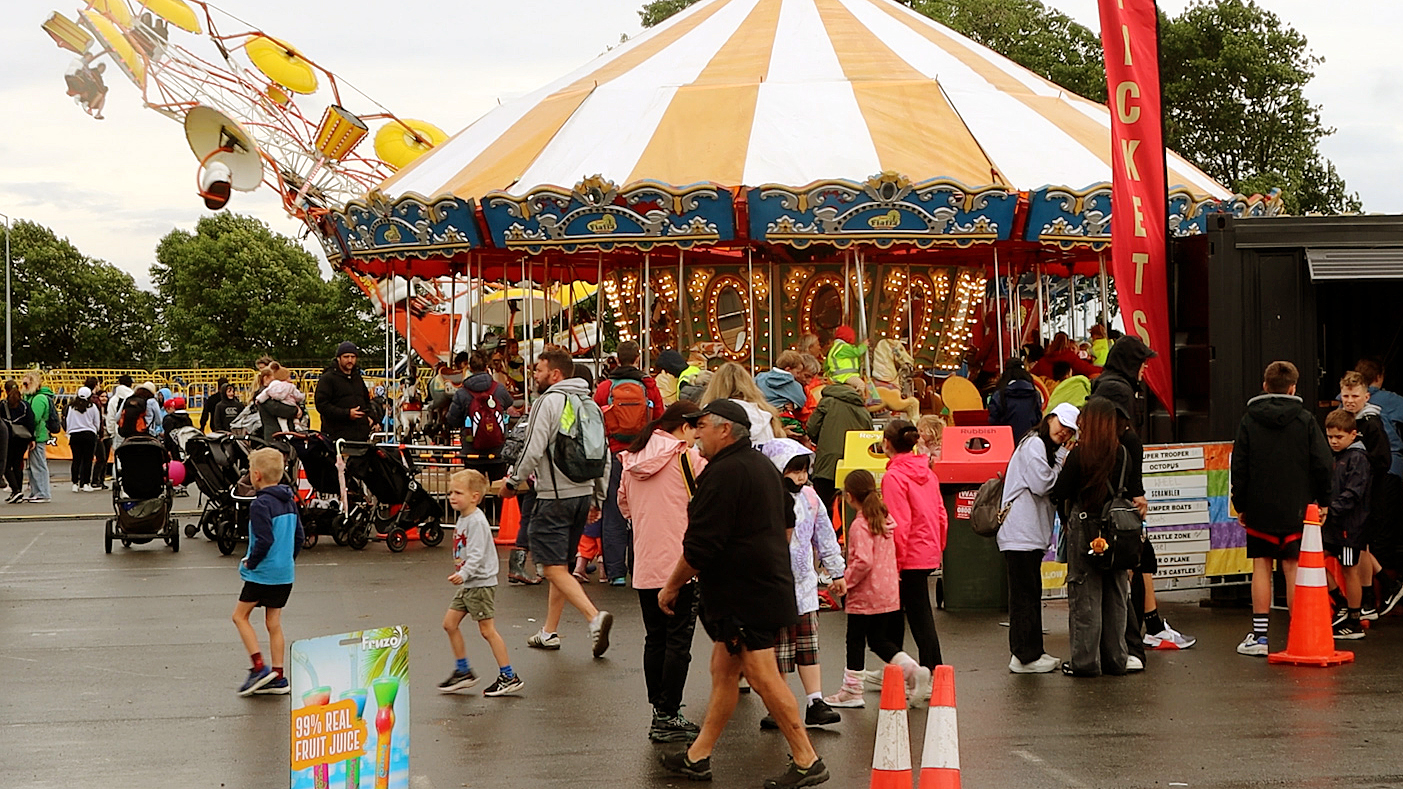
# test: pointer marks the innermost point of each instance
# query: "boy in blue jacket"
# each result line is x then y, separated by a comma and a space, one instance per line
274, 540
1343, 530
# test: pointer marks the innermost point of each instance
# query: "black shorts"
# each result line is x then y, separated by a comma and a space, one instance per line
266, 595
556, 528
1261, 545
1149, 563
738, 636
1348, 555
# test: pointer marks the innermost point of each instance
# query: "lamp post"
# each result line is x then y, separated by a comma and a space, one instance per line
9, 360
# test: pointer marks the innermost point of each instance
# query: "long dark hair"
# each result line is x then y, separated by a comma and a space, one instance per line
1098, 439
1013, 371
862, 486
671, 419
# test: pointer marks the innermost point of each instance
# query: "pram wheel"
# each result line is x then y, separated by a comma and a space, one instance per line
173, 536
107, 536
309, 539
431, 534
208, 524
397, 540
224, 536
338, 529
357, 535
191, 529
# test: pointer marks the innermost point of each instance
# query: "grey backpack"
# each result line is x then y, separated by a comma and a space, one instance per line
989, 511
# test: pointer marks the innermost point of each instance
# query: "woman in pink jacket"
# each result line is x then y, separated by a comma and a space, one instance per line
911, 492
653, 492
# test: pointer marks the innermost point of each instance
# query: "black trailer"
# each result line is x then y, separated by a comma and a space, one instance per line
1321, 292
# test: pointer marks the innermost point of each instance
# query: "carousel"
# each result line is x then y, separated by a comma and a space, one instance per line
747, 173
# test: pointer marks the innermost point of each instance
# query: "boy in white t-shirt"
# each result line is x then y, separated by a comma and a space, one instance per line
475, 556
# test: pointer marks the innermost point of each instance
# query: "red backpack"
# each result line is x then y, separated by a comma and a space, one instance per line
627, 411
485, 422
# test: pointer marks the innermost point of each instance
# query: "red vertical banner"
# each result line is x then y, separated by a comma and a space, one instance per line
1139, 256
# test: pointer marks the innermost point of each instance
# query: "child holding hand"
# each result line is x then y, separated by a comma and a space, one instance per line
476, 576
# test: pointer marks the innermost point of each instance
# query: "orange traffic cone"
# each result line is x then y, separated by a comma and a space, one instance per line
940, 756
1311, 641
891, 760
508, 523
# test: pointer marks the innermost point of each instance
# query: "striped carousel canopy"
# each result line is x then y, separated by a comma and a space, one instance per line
788, 92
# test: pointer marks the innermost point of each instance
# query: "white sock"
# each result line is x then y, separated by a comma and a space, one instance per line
815, 697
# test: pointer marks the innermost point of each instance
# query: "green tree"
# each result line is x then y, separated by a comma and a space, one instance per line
1234, 78
1233, 73
234, 290
70, 309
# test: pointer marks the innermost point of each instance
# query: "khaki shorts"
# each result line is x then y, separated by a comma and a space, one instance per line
478, 602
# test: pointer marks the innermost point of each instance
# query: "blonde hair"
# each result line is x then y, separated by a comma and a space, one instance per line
733, 382
933, 426
268, 462
472, 479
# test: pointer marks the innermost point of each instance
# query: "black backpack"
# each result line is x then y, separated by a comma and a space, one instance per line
54, 423
132, 419
1119, 531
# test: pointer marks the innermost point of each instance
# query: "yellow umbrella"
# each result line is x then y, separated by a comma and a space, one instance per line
575, 292
397, 146
116, 44
176, 12
281, 63
116, 10
513, 306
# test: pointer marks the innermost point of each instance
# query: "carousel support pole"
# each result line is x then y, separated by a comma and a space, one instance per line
1015, 315
599, 312
1042, 303
847, 287
774, 324
1072, 305
684, 327
998, 317
750, 310
910, 315
647, 333
862, 308
1105, 294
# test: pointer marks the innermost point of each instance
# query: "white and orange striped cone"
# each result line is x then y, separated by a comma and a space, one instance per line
940, 756
891, 759
1311, 641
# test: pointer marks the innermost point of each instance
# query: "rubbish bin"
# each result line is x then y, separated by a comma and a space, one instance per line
974, 574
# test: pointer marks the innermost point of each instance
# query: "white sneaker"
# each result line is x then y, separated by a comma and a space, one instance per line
75, 487
1169, 638
872, 680
918, 686
1253, 646
1133, 663
88, 489
1043, 665
599, 628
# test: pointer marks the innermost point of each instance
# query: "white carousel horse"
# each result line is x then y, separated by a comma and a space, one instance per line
892, 368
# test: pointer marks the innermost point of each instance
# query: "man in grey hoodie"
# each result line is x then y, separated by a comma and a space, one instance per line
562, 505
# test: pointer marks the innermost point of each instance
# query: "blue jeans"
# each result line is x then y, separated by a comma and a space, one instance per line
39, 471
618, 533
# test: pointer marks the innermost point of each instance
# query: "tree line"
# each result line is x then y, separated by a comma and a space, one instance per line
225, 294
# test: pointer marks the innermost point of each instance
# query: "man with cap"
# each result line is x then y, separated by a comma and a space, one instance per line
737, 546
342, 399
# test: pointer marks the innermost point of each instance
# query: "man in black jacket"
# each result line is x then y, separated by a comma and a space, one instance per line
1119, 380
341, 397
737, 545
1280, 464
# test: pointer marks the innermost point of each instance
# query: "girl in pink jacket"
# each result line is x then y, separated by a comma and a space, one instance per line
911, 492
873, 603
654, 489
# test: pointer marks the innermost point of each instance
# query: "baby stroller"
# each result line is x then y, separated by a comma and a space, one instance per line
321, 511
141, 496
217, 462
393, 501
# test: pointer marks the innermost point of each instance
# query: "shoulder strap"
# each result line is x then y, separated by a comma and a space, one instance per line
687, 476
1120, 490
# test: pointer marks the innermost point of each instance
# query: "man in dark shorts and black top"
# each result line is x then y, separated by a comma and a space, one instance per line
1280, 464
737, 545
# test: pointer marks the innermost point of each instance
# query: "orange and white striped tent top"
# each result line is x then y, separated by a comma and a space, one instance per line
751, 92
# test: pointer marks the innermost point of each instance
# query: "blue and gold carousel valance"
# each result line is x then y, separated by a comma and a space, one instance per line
884, 210
597, 214
410, 226
1068, 218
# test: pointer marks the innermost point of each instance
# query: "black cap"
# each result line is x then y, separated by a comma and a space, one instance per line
347, 347
726, 409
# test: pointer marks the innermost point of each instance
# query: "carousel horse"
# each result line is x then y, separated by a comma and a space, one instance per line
892, 368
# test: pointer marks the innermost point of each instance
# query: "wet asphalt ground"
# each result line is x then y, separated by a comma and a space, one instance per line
121, 671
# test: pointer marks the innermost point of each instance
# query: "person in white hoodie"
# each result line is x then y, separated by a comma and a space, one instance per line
83, 425
659, 473
1026, 533
114, 406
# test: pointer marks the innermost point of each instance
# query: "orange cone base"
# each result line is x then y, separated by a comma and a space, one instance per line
509, 522
891, 779
1337, 658
939, 778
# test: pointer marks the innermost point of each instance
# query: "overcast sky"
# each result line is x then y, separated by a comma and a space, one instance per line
115, 187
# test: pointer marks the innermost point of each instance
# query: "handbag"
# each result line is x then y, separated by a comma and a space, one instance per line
16, 429
1119, 530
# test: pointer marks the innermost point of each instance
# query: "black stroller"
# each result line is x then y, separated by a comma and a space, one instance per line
217, 462
392, 501
141, 496
321, 511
